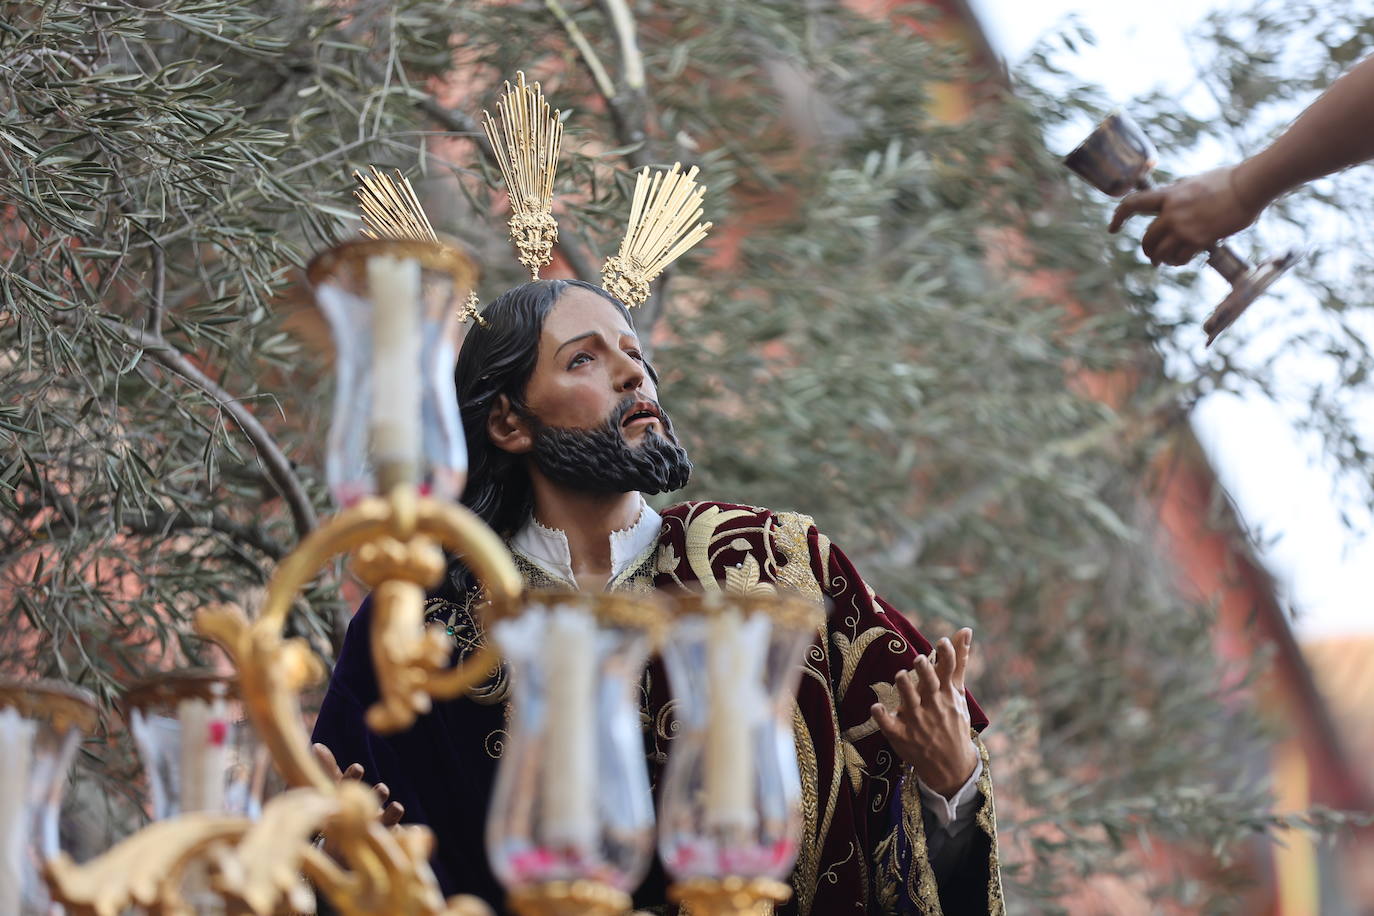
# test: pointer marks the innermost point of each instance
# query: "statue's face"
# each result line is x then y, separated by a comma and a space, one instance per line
589, 364
591, 419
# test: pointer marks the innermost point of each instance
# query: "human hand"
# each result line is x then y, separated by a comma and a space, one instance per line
931, 729
392, 812
1194, 214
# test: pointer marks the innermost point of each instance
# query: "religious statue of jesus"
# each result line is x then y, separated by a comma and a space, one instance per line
566, 433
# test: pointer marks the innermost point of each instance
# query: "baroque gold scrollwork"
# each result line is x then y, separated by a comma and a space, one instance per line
256, 867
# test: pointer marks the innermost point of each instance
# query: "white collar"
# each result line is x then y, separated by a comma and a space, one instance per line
548, 548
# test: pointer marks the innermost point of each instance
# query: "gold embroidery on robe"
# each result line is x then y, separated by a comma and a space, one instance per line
987, 822
808, 856
466, 629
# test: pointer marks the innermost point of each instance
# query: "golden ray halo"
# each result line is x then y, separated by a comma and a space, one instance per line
526, 138
526, 142
665, 221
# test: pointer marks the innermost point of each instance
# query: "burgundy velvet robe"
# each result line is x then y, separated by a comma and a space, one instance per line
864, 847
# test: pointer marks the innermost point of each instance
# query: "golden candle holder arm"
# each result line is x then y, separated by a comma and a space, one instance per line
397, 541
266, 866
569, 898
257, 866
729, 896
144, 870
412, 664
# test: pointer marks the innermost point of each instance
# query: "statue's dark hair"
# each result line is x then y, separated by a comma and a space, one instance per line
498, 359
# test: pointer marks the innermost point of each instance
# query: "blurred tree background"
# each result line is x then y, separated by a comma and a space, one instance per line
909, 326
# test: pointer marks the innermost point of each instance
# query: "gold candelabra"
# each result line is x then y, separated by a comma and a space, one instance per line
256, 866
396, 540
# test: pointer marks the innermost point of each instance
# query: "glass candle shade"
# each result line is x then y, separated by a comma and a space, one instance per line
572, 798
730, 803
196, 745
41, 724
393, 307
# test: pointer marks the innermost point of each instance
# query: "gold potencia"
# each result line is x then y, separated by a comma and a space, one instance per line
525, 142
665, 221
665, 213
390, 210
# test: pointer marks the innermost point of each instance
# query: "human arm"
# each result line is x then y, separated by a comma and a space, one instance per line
1335, 132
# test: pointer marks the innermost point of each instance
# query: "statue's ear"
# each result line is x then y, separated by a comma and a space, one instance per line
508, 430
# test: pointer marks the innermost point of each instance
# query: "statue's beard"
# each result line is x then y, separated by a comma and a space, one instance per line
599, 460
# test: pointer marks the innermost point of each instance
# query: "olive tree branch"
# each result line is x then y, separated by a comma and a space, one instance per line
584, 48
1160, 410
631, 59
278, 467
158, 307
629, 108
149, 523
157, 523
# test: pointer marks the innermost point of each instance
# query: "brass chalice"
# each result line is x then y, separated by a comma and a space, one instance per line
1117, 158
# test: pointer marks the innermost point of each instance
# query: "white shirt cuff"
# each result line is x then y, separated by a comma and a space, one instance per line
953, 813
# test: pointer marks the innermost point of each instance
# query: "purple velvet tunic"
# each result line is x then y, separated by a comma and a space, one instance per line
864, 846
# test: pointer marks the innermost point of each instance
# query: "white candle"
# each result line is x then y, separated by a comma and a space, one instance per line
394, 286
192, 714
570, 751
16, 749
204, 746
729, 748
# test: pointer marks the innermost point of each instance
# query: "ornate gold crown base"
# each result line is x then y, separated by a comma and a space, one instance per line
729, 896
569, 898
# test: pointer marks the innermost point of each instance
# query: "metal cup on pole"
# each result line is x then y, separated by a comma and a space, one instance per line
1117, 158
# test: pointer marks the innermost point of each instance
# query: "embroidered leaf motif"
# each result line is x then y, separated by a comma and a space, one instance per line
796, 573
823, 547
700, 530
853, 765
851, 652
887, 695
744, 579
667, 559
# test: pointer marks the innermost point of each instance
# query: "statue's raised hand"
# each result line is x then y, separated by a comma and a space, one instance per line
392, 812
931, 729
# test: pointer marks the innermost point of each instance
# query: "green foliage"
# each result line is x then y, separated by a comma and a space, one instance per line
902, 344
164, 169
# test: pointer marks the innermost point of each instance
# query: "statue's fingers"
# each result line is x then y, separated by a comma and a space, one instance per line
944, 661
1140, 202
927, 681
963, 645
325, 757
906, 689
887, 723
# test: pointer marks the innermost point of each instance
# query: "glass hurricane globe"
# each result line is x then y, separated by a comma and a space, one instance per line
196, 745
396, 344
41, 724
730, 803
572, 800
